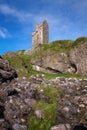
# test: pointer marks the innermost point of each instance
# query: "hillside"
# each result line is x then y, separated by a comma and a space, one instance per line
39, 104
41, 94
63, 58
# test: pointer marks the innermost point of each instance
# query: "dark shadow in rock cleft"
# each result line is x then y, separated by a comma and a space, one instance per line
12, 92
80, 127
2, 112
74, 66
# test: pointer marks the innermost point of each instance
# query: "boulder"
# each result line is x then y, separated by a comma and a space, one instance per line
61, 127
78, 57
72, 61
6, 71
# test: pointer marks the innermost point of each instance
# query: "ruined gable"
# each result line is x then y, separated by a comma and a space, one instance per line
40, 36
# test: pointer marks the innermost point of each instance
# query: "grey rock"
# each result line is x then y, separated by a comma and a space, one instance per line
19, 127
61, 127
19, 95
39, 113
6, 71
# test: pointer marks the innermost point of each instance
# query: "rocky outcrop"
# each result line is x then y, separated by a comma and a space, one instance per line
6, 71
62, 56
54, 62
78, 57
72, 61
16, 101
72, 103
17, 97
17, 62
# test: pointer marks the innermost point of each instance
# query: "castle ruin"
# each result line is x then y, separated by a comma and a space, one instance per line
40, 36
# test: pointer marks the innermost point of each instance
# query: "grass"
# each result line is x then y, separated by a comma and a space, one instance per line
80, 40
49, 110
23, 66
20, 52
53, 76
22, 63
16, 62
65, 45
81, 116
59, 46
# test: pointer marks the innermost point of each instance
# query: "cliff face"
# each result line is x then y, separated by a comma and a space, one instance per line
59, 62
63, 56
78, 57
72, 61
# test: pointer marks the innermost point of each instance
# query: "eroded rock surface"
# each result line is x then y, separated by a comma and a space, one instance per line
74, 61
17, 96
17, 99
6, 71
72, 103
78, 58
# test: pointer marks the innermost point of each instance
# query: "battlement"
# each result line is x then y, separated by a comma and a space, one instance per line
40, 36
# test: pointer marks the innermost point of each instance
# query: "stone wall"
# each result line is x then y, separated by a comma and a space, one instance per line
40, 36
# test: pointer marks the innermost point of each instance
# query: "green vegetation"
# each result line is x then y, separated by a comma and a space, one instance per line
81, 116
78, 42
66, 45
20, 52
22, 63
23, 66
16, 62
53, 76
49, 110
59, 46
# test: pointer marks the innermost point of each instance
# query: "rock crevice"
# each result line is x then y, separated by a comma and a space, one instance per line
17, 97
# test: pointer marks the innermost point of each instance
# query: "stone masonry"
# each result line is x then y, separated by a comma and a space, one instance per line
40, 36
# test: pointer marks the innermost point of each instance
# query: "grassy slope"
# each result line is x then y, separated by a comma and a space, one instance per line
22, 64
59, 46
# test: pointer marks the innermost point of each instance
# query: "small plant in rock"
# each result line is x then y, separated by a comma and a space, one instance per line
49, 110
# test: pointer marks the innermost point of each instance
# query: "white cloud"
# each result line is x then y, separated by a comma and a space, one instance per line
56, 23
23, 16
27, 17
4, 33
53, 21
20, 15
79, 7
54, 2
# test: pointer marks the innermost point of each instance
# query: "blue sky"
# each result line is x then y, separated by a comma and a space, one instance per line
67, 19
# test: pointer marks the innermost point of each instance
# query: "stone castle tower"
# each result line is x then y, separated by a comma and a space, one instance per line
40, 36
